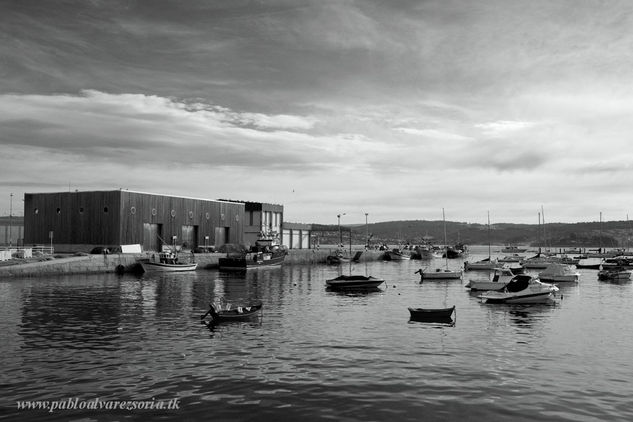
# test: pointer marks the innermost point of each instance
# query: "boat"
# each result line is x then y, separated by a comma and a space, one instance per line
218, 313
614, 274
512, 258
522, 289
557, 273
513, 249
500, 278
339, 258
589, 263
432, 314
484, 264
265, 253
398, 255
351, 282
539, 262
167, 262
439, 273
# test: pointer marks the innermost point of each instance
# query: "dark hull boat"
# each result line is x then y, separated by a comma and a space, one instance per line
238, 313
265, 253
432, 314
350, 282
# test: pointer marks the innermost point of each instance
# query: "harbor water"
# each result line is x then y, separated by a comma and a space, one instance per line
313, 354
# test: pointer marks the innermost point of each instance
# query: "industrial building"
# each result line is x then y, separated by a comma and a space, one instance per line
80, 221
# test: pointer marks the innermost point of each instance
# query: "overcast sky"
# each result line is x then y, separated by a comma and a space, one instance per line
393, 108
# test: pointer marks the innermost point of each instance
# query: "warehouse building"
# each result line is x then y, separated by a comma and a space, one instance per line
80, 221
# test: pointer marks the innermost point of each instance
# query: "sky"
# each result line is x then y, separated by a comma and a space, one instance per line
392, 108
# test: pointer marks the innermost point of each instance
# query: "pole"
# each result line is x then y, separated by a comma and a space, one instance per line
11, 220
366, 232
340, 235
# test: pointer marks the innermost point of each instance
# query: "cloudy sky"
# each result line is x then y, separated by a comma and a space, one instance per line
394, 108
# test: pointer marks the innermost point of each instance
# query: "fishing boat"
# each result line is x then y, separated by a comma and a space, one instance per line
218, 313
166, 262
432, 314
265, 253
500, 277
351, 282
522, 289
397, 254
557, 273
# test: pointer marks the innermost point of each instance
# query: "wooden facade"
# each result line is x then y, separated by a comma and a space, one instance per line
81, 220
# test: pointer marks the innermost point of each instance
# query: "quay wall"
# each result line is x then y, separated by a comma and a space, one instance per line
120, 263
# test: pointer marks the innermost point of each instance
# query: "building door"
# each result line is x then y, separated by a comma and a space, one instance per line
221, 236
189, 237
152, 237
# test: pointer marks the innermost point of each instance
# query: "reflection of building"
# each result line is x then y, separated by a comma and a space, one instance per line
11, 230
78, 221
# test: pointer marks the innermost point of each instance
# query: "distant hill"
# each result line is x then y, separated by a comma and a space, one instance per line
592, 234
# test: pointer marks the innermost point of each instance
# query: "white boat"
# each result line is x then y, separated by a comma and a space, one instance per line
484, 264
438, 274
512, 258
167, 262
522, 289
500, 278
557, 273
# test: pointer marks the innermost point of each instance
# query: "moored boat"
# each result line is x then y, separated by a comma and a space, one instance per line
265, 253
350, 282
217, 313
484, 264
614, 274
557, 273
432, 314
439, 274
513, 249
167, 262
500, 278
522, 289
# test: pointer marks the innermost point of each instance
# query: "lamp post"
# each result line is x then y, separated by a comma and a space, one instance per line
340, 234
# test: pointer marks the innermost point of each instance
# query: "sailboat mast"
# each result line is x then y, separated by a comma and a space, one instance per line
445, 241
488, 235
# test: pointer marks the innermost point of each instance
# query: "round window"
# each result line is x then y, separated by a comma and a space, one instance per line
207, 215
154, 211
133, 210
173, 213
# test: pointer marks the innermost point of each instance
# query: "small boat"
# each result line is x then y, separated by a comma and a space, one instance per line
265, 253
438, 274
614, 274
500, 278
557, 273
522, 289
340, 258
397, 255
589, 263
432, 314
513, 249
512, 258
484, 264
539, 262
350, 282
167, 262
230, 313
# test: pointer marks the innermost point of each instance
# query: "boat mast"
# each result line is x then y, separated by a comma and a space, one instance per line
488, 235
445, 241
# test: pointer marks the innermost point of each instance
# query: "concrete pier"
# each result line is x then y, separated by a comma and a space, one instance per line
121, 263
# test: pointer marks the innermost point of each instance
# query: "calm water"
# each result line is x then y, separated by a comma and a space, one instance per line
314, 354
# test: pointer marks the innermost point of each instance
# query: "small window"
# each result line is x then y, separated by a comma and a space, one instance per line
207, 215
133, 210
222, 216
173, 213
154, 211
59, 211
105, 209
190, 214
